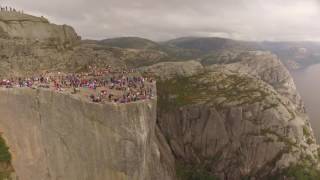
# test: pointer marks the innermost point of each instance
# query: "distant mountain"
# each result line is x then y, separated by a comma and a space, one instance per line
213, 50
129, 42
208, 44
173, 52
293, 54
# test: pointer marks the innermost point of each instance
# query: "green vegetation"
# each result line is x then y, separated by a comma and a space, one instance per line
280, 138
193, 173
5, 176
310, 141
302, 171
270, 106
5, 155
178, 92
218, 88
307, 135
306, 132
129, 42
5, 161
219, 57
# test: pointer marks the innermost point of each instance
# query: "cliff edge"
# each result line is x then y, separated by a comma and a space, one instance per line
238, 120
26, 27
57, 136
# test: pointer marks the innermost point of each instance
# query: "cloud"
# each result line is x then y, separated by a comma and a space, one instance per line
167, 19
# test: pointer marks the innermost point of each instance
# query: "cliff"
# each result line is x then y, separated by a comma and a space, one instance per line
58, 136
237, 117
32, 44
27, 27
238, 120
267, 67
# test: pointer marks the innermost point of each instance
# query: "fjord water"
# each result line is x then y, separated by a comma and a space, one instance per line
308, 83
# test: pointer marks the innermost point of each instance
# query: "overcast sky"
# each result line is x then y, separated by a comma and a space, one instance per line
168, 19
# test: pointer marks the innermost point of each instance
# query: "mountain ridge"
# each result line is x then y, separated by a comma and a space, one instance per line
294, 54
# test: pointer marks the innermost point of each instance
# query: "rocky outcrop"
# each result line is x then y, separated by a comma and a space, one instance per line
268, 68
32, 45
37, 29
233, 125
59, 136
236, 121
169, 70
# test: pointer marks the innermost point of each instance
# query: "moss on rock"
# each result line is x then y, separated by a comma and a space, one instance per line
5, 155
5, 161
220, 88
193, 173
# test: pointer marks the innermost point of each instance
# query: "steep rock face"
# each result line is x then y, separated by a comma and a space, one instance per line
20, 57
242, 128
29, 43
235, 121
266, 67
27, 27
58, 136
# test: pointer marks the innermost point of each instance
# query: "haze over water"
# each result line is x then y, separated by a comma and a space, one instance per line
308, 84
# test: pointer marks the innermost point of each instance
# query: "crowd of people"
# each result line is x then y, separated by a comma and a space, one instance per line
99, 84
9, 9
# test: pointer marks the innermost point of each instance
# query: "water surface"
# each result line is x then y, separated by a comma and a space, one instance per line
308, 84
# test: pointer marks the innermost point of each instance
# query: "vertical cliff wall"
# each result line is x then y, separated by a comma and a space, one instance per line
235, 121
56, 136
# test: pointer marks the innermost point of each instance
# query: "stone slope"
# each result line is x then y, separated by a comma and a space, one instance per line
169, 70
268, 68
57, 136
